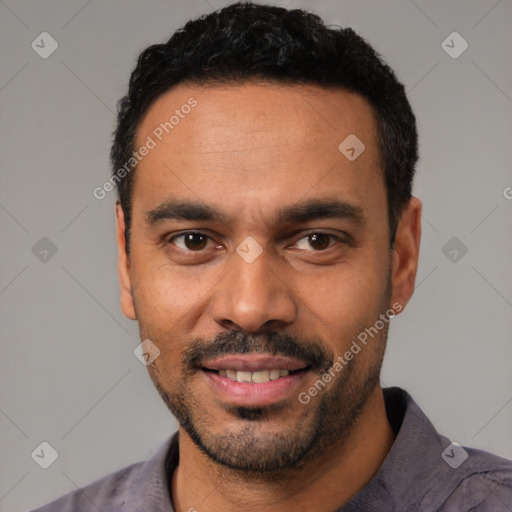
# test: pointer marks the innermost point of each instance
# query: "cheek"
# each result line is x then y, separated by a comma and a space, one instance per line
163, 294
167, 306
346, 301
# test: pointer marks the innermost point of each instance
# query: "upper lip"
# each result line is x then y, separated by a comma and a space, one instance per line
254, 362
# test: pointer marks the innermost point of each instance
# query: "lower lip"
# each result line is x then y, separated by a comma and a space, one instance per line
253, 394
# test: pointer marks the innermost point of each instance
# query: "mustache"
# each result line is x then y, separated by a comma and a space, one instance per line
312, 352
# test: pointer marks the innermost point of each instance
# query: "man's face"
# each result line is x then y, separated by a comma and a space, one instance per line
288, 263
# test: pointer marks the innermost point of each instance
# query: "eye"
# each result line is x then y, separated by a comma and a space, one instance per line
190, 241
194, 241
317, 241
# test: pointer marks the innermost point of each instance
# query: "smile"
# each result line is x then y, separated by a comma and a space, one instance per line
257, 377
254, 379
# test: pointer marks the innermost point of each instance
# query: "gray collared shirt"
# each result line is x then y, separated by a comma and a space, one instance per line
422, 472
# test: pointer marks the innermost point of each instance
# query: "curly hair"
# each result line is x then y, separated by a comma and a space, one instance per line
245, 42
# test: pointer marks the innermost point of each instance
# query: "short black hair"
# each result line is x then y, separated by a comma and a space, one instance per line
246, 42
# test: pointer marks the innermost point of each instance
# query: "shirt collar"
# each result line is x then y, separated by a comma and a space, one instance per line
150, 487
413, 475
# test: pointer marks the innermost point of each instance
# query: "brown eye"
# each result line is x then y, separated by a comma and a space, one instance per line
190, 241
319, 241
316, 241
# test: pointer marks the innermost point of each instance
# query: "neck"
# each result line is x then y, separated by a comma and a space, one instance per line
325, 484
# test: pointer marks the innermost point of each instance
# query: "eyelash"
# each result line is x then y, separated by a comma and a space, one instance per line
169, 241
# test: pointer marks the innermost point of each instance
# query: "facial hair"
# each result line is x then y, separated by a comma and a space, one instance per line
328, 420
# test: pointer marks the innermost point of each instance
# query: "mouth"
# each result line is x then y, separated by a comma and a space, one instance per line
258, 377
254, 379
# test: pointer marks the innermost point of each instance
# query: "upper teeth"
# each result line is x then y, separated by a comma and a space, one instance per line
257, 377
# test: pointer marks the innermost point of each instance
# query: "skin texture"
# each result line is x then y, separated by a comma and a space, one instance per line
248, 151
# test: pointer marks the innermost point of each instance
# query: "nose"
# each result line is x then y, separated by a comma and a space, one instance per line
253, 296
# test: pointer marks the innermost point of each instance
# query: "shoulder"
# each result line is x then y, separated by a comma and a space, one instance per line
427, 471
483, 482
110, 490
141, 486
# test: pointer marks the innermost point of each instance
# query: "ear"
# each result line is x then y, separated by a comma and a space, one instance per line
123, 267
406, 254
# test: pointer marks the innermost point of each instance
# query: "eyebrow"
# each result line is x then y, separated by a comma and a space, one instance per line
314, 209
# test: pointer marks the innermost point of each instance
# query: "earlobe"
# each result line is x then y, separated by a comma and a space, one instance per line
123, 267
406, 253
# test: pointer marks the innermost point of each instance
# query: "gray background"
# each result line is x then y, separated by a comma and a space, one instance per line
68, 375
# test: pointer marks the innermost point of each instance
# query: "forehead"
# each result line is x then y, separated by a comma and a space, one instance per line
245, 116
263, 142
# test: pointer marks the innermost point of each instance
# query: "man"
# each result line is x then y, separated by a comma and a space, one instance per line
267, 236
